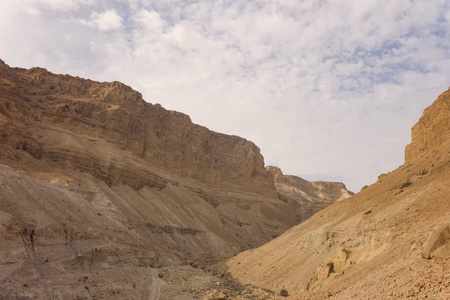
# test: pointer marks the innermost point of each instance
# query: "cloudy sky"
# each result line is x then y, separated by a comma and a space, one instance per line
328, 89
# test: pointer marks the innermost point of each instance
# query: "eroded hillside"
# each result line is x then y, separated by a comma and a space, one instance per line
97, 183
390, 241
307, 198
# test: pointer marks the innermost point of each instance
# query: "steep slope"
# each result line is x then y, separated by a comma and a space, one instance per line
307, 197
96, 183
114, 113
391, 240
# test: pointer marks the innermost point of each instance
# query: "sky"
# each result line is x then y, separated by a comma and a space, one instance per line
327, 89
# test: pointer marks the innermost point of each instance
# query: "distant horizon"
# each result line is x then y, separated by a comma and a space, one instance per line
328, 91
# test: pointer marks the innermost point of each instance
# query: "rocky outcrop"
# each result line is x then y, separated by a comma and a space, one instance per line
438, 243
391, 240
134, 163
307, 197
432, 130
119, 116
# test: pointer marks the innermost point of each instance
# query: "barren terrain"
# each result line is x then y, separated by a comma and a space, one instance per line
105, 196
100, 190
390, 241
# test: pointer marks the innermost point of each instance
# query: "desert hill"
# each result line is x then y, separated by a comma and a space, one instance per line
97, 183
307, 197
390, 241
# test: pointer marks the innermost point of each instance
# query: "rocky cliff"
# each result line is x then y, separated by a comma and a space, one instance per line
390, 241
117, 115
97, 183
307, 198
432, 129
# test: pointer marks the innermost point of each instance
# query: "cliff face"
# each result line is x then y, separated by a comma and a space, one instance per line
95, 179
119, 116
95, 182
432, 130
391, 240
133, 163
307, 197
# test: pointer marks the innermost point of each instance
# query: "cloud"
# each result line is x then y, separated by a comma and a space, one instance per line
105, 21
64, 4
149, 21
324, 88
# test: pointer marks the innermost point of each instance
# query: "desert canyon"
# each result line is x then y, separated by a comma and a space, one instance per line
106, 196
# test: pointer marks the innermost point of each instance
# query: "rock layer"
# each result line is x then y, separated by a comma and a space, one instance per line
94, 181
114, 113
432, 130
307, 197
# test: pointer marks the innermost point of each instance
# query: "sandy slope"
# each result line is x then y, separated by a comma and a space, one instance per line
372, 245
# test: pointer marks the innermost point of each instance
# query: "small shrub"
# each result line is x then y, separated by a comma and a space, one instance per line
284, 293
406, 184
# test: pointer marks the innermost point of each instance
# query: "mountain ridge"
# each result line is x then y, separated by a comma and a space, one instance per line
94, 180
116, 105
307, 197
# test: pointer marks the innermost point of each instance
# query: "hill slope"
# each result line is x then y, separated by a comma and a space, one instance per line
307, 197
95, 182
391, 240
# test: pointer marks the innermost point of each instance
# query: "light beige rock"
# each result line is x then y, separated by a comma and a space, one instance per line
432, 130
438, 243
306, 197
369, 246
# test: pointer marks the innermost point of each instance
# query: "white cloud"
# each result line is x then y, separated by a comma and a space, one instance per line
149, 20
64, 4
326, 89
105, 21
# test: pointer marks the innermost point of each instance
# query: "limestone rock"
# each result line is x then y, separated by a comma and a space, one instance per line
94, 178
306, 197
116, 114
432, 130
438, 244
99, 187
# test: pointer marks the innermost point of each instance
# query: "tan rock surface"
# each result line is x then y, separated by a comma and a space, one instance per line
113, 114
390, 241
98, 188
307, 197
432, 129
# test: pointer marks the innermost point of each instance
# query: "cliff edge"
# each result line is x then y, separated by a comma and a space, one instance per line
307, 198
432, 130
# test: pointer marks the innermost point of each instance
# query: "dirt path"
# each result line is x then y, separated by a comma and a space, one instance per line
157, 284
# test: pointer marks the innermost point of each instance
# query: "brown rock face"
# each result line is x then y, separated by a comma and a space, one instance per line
307, 197
114, 113
96, 183
103, 143
432, 130
391, 240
